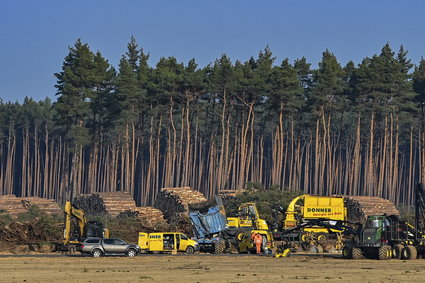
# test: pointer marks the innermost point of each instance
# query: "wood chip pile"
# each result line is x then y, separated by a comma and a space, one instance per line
359, 207
15, 205
174, 202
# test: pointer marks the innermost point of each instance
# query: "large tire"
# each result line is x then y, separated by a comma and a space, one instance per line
321, 237
357, 253
409, 252
384, 252
347, 252
131, 253
219, 247
397, 250
96, 253
190, 250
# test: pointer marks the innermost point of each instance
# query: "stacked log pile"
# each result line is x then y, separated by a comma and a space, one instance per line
174, 202
15, 205
359, 207
150, 216
117, 202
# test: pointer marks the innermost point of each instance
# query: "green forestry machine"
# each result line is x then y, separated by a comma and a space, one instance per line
386, 236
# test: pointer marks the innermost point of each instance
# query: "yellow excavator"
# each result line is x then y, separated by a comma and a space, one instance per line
77, 228
248, 217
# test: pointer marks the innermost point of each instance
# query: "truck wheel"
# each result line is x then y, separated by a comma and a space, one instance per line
219, 247
397, 249
190, 250
96, 253
131, 253
409, 252
347, 252
384, 252
357, 253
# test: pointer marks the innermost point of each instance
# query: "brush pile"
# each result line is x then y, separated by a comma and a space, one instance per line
174, 202
91, 204
359, 207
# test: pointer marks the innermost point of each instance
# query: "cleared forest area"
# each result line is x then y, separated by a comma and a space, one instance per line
352, 130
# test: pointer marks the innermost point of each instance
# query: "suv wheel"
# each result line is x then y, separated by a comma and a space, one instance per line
96, 253
131, 253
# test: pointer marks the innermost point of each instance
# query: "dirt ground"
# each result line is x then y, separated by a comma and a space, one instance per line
207, 268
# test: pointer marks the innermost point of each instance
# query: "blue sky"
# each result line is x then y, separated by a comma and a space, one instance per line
35, 35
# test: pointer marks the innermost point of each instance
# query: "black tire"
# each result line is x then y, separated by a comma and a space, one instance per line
219, 247
131, 253
321, 237
305, 237
96, 253
347, 252
384, 252
190, 250
397, 250
357, 253
409, 252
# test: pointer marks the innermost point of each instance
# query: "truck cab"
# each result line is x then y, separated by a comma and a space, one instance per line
167, 242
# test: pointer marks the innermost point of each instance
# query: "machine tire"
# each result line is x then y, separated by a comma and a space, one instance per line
347, 252
96, 253
357, 253
190, 250
219, 247
321, 237
131, 253
384, 253
397, 251
409, 252
305, 237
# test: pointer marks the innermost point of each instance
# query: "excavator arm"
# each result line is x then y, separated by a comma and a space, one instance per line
70, 213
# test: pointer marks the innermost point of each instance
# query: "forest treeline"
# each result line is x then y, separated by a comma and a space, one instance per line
330, 129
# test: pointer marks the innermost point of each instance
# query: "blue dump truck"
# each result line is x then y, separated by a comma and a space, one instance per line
209, 224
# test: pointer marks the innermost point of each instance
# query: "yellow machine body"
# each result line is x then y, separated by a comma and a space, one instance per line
248, 216
246, 243
315, 207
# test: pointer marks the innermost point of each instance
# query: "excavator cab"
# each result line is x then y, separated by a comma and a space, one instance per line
248, 217
95, 229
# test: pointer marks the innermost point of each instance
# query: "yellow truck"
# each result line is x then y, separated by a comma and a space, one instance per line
167, 242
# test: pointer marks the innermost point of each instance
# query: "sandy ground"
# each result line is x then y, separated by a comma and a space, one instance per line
207, 268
